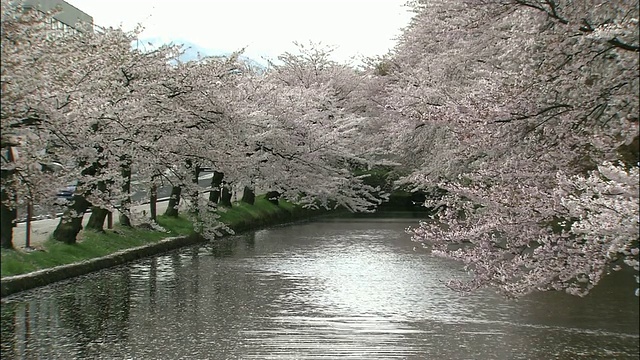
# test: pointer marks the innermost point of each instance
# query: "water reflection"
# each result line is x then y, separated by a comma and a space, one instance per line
320, 290
83, 316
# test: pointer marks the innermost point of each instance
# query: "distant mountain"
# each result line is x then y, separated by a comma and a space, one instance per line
193, 51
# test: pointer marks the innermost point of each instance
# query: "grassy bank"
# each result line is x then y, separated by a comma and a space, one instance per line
94, 244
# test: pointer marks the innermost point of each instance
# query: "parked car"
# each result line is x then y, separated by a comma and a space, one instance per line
65, 194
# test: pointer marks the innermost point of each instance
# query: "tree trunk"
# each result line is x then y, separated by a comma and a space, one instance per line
96, 220
98, 215
248, 196
225, 196
71, 221
216, 182
195, 194
8, 216
153, 203
125, 206
273, 197
174, 202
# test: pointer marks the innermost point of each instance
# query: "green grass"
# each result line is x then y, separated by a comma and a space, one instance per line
94, 244
262, 212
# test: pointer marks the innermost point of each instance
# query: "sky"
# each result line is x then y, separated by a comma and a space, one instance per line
265, 28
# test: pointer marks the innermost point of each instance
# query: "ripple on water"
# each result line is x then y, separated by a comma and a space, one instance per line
326, 290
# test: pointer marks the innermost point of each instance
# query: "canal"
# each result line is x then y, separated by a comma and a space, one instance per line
327, 289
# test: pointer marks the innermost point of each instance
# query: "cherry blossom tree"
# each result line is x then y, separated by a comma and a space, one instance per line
521, 111
81, 100
302, 134
29, 106
209, 133
109, 112
114, 122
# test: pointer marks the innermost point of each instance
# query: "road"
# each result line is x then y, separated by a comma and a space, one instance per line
139, 196
42, 229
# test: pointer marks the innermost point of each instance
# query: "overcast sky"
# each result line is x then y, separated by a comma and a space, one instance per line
266, 28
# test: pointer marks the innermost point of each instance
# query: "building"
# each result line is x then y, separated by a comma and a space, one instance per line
66, 19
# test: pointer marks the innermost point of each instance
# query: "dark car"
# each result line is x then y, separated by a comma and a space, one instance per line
64, 195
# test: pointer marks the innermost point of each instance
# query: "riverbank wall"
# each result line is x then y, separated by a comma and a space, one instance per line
250, 221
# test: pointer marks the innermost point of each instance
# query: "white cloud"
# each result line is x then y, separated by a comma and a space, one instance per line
266, 28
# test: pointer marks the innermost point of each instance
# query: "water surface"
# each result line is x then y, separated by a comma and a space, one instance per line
328, 289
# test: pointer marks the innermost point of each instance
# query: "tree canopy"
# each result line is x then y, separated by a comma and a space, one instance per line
523, 114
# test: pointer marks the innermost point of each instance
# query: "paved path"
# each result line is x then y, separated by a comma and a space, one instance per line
41, 230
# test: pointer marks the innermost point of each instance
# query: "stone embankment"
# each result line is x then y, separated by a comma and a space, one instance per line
17, 283
13, 284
